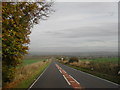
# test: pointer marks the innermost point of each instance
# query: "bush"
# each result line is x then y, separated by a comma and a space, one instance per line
17, 20
8, 73
73, 59
44, 60
64, 59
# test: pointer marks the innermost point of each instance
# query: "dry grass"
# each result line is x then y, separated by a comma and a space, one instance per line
25, 72
85, 64
102, 67
107, 70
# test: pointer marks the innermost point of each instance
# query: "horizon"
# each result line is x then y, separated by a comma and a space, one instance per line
94, 54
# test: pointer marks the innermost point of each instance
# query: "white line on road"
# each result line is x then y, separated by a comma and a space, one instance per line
74, 79
64, 71
37, 78
60, 71
66, 80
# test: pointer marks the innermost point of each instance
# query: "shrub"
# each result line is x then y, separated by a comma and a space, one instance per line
73, 59
44, 60
17, 20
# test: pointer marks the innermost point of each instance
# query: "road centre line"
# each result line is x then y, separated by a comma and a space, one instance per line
74, 79
66, 80
64, 71
70, 80
76, 87
60, 71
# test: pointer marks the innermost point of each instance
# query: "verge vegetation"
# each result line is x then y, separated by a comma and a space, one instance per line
106, 68
26, 74
17, 20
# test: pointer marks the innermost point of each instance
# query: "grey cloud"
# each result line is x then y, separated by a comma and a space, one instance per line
54, 33
77, 25
109, 30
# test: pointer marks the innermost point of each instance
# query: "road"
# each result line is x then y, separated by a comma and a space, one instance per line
60, 76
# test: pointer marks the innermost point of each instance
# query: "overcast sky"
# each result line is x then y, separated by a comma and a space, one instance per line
77, 27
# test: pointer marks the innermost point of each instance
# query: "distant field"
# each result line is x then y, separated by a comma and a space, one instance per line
30, 61
102, 60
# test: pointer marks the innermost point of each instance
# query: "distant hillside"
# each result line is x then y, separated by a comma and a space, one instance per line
98, 53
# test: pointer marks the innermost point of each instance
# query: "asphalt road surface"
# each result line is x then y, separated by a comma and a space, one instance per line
53, 77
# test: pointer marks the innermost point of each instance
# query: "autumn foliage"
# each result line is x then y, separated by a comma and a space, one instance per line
73, 59
17, 20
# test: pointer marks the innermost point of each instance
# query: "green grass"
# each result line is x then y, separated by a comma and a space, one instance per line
26, 83
114, 60
30, 61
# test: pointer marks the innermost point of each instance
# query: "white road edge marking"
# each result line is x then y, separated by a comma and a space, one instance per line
74, 79
66, 80
37, 79
94, 76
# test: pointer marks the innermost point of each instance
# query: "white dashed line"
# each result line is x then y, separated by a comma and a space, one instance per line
66, 80
64, 71
74, 79
60, 71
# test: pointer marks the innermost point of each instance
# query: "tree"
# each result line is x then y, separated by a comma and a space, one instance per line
73, 59
17, 20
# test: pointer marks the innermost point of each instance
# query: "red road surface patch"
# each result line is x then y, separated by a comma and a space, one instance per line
71, 81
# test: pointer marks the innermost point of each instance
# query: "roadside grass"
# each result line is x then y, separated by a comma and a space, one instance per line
30, 61
30, 79
26, 75
105, 69
113, 60
115, 79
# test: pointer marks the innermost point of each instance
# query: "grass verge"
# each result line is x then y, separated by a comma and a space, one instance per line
115, 79
26, 75
31, 61
30, 80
